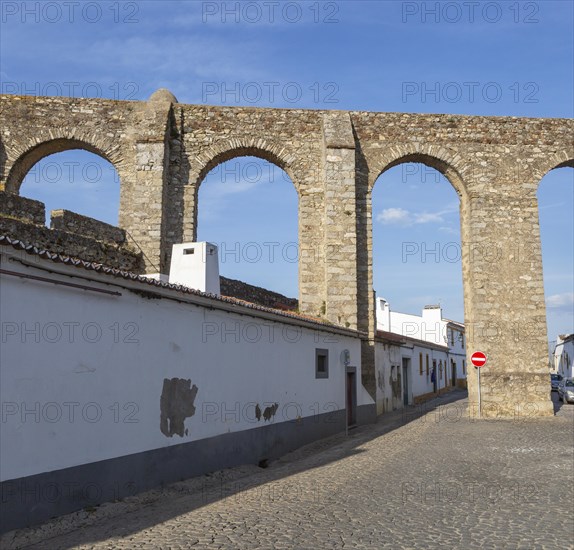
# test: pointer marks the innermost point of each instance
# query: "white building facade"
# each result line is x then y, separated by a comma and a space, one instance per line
416, 357
112, 384
564, 355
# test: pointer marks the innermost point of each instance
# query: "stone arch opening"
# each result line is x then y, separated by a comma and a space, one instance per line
263, 250
565, 164
552, 163
269, 154
24, 163
78, 179
427, 162
416, 229
410, 233
445, 165
555, 198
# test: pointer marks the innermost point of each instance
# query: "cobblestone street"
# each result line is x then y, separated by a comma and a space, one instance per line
436, 480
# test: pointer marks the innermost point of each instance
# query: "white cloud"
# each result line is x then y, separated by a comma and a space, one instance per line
394, 215
566, 299
428, 217
401, 216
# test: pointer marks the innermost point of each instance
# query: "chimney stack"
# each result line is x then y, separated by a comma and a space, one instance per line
195, 265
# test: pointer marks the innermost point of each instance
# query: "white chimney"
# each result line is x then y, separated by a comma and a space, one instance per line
383, 315
432, 314
432, 325
195, 265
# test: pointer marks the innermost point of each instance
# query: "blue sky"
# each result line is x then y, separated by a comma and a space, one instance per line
517, 58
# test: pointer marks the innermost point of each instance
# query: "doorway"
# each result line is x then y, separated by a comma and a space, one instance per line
406, 377
351, 396
453, 373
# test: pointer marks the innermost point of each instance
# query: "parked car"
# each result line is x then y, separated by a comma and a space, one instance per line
555, 380
566, 390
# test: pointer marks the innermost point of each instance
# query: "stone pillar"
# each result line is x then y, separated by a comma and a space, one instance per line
144, 188
505, 309
366, 321
340, 220
176, 181
347, 300
312, 300
190, 211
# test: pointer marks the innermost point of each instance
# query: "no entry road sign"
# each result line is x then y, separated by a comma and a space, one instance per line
478, 359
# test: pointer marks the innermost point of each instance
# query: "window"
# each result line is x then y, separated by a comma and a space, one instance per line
427, 364
463, 366
462, 340
452, 337
420, 364
321, 363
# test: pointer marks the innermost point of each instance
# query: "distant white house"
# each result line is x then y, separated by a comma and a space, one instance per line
564, 355
416, 357
430, 326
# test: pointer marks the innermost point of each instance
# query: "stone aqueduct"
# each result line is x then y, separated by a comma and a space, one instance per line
162, 150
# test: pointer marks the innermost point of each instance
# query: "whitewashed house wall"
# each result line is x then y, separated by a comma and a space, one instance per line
126, 385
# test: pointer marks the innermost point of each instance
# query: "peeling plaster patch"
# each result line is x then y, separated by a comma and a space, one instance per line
174, 347
176, 404
269, 412
396, 385
380, 380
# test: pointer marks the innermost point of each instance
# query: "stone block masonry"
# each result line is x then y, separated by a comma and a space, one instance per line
82, 225
21, 208
162, 150
65, 243
256, 295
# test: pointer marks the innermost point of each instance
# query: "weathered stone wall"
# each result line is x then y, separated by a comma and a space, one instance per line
70, 234
88, 227
162, 151
256, 295
21, 208
73, 245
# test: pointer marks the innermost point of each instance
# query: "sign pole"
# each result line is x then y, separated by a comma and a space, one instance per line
478, 359
479, 393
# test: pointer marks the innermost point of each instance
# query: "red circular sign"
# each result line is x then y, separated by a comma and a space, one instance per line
478, 359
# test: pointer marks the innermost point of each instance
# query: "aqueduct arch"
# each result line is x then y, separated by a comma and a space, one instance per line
24, 163
227, 152
442, 160
214, 157
376, 162
286, 160
562, 159
162, 149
